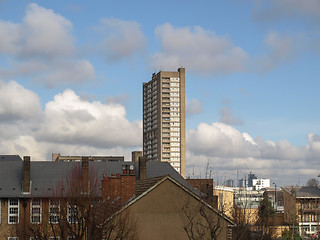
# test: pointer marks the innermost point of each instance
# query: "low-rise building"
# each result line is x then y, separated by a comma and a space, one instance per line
45, 196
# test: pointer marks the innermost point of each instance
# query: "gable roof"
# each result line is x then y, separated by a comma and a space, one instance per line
45, 175
159, 180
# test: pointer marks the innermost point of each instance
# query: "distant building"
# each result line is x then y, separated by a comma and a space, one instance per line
261, 183
230, 183
56, 157
251, 176
164, 119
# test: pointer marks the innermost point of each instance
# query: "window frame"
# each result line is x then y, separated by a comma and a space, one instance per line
32, 214
10, 206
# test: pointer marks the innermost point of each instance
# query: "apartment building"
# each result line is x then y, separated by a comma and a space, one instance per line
164, 119
302, 205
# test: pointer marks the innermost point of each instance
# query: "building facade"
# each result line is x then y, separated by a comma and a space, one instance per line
164, 119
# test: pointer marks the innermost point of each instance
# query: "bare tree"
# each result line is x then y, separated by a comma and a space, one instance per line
200, 222
313, 182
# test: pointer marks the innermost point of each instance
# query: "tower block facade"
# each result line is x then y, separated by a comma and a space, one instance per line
164, 119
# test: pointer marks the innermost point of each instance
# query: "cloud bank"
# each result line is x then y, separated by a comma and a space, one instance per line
197, 49
228, 150
67, 124
42, 47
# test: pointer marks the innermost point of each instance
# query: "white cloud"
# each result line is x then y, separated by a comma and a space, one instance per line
122, 39
68, 124
197, 49
17, 103
229, 150
69, 119
193, 107
42, 47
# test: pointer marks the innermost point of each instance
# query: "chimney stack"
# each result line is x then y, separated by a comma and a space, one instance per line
26, 174
142, 168
122, 186
135, 156
84, 174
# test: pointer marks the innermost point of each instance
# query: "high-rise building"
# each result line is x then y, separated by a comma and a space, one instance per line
164, 119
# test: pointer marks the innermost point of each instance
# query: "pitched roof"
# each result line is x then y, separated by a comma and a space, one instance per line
45, 175
155, 182
308, 192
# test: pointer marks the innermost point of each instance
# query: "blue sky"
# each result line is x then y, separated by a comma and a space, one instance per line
71, 75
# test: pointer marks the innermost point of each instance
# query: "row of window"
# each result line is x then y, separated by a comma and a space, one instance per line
36, 211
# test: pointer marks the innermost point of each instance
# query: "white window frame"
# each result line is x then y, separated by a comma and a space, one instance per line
13, 238
71, 215
52, 214
34, 207
10, 206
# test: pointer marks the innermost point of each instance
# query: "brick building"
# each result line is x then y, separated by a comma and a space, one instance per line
36, 195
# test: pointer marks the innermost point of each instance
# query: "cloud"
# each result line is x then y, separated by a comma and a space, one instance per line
67, 124
274, 10
17, 103
229, 150
193, 107
69, 120
227, 117
280, 49
42, 46
122, 39
197, 49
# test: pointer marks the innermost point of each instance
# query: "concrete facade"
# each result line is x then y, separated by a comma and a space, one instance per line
164, 119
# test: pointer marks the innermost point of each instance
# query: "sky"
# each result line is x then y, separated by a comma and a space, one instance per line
71, 76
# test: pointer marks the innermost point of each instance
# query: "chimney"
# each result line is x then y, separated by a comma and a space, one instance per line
55, 157
84, 174
26, 174
122, 186
135, 156
142, 168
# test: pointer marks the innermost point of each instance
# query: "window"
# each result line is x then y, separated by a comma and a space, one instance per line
13, 211
35, 211
72, 213
13, 238
54, 211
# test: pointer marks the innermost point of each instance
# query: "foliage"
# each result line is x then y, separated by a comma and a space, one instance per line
287, 235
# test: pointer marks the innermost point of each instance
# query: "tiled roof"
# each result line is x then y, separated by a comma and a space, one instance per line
308, 192
144, 185
45, 175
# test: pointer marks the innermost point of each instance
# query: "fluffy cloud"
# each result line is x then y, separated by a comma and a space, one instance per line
197, 49
17, 103
68, 124
69, 119
121, 39
229, 150
193, 107
42, 46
